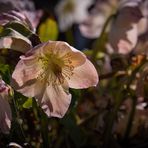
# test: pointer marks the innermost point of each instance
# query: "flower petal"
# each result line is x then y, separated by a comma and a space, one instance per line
55, 101
124, 33
31, 88
83, 76
64, 50
26, 69
77, 58
5, 115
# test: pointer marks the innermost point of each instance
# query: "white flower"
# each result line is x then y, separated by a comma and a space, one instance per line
71, 11
92, 26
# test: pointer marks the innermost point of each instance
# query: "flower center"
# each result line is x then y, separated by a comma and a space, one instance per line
55, 69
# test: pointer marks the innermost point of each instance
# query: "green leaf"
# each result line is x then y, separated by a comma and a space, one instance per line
28, 103
4, 68
5, 72
48, 30
19, 27
1, 29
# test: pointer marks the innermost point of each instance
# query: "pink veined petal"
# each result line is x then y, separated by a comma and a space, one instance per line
36, 50
55, 101
63, 47
26, 69
60, 49
124, 47
5, 115
63, 50
84, 76
47, 48
77, 58
31, 88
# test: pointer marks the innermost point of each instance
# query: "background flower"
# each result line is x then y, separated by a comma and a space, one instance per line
124, 31
92, 26
71, 11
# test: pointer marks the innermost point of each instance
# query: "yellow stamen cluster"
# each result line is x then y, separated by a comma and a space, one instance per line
55, 68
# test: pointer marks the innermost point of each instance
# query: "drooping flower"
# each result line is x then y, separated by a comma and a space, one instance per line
5, 110
15, 16
124, 30
143, 24
71, 11
25, 7
47, 71
11, 36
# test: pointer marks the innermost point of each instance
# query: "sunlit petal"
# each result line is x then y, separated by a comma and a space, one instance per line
84, 76
55, 101
26, 69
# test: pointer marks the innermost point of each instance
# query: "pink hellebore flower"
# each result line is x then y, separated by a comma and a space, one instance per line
124, 30
5, 110
47, 71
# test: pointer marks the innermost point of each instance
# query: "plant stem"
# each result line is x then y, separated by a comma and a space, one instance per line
134, 101
98, 42
44, 132
44, 125
17, 116
110, 121
130, 120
